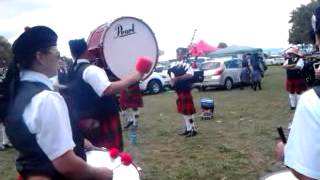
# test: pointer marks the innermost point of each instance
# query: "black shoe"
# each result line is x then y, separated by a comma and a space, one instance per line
184, 133
7, 146
192, 133
129, 124
292, 108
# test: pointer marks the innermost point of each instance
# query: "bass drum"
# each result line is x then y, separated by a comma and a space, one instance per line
118, 45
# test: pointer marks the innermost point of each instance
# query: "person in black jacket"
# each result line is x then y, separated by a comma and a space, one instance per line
181, 74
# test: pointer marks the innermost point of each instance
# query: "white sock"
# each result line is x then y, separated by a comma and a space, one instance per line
292, 99
130, 115
5, 139
136, 116
298, 97
193, 125
187, 121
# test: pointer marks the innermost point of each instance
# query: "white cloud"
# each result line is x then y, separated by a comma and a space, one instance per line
257, 23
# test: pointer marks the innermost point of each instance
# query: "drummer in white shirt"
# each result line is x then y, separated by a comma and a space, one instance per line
37, 121
301, 153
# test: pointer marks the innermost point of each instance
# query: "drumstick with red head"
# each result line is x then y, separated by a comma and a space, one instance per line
143, 64
114, 153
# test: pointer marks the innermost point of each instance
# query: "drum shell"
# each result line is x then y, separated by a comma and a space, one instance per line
95, 41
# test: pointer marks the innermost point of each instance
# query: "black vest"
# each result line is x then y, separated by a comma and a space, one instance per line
181, 85
83, 102
31, 160
293, 73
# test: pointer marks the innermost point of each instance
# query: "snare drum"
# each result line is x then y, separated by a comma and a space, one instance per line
120, 171
207, 107
119, 44
207, 103
280, 175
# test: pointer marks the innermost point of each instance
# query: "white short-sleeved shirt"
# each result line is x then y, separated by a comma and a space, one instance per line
47, 116
96, 77
302, 151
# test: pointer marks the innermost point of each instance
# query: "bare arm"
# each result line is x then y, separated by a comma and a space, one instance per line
74, 167
183, 77
122, 84
179, 78
289, 66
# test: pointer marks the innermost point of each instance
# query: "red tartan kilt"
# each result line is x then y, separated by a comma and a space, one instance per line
131, 98
185, 103
109, 134
295, 85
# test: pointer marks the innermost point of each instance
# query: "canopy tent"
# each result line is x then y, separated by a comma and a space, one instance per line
234, 50
201, 49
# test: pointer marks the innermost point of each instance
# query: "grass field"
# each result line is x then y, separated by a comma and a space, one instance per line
237, 144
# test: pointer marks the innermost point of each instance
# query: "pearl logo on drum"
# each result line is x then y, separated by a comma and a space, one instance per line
121, 32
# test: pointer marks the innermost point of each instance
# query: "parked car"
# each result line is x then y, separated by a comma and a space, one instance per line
198, 61
274, 60
155, 83
221, 72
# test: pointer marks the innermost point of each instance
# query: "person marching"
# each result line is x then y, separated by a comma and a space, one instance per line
295, 83
92, 96
245, 76
257, 71
181, 73
130, 100
36, 117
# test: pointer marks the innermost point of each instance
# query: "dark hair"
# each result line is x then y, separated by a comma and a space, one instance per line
12, 77
77, 47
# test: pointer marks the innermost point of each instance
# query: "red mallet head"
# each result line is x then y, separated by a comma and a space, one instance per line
126, 159
143, 64
114, 153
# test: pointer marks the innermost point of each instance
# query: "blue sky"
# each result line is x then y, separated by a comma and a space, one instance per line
256, 23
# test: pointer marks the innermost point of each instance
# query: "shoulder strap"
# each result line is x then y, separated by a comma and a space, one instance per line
77, 70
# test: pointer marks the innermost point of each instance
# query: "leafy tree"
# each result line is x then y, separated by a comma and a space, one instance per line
301, 23
222, 45
5, 52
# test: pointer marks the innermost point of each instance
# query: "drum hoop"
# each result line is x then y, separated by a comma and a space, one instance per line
152, 33
274, 173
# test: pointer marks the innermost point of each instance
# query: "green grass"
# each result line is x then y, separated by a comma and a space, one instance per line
237, 144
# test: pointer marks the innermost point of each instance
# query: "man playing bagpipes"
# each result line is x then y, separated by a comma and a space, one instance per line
181, 73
